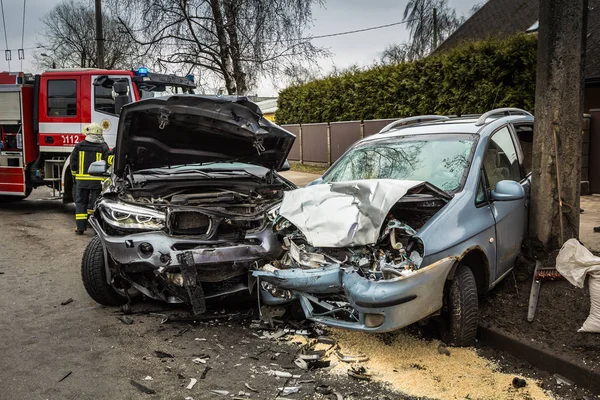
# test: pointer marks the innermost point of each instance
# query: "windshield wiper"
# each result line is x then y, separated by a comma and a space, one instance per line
158, 172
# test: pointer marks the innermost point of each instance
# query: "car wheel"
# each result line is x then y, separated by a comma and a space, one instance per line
461, 316
93, 275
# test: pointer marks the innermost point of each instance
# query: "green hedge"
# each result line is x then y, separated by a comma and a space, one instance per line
471, 78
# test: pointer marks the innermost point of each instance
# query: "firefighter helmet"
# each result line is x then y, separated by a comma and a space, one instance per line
92, 129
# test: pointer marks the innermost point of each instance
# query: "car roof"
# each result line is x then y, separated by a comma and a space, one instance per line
465, 125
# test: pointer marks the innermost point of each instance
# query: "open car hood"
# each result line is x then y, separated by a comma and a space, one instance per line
190, 129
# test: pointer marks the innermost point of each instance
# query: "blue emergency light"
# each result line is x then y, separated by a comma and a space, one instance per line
142, 71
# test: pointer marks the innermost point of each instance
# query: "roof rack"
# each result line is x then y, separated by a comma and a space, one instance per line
503, 111
412, 120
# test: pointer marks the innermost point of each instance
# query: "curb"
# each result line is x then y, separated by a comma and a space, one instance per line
581, 375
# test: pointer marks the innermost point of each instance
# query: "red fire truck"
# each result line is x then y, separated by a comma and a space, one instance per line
42, 117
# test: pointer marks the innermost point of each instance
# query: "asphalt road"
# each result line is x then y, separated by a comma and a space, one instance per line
41, 341
81, 350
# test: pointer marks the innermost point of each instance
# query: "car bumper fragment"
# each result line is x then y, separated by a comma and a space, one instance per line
395, 303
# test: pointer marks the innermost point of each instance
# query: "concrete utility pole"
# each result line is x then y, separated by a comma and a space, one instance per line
99, 35
558, 119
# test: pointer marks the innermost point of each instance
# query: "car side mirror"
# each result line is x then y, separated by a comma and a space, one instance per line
285, 167
98, 168
507, 191
317, 181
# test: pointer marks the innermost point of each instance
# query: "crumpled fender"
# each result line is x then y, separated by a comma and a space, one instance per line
325, 280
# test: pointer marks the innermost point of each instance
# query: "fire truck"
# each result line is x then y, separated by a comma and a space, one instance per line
42, 118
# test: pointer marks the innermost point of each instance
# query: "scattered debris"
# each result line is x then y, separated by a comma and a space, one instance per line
182, 331
241, 393
275, 335
125, 319
359, 372
162, 354
418, 366
220, 392
323, 389
250, 388
142, 388
201, 359
189, 398
148, 378
351, 358
561, 380
442, 349
68, 301
206, 369
193, 381
280, 374
519, 382
180, 376
289, 390
311, 364
200, 339
164, 317
65, 376
221, 346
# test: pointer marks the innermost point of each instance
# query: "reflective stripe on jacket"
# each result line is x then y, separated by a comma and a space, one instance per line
83, 155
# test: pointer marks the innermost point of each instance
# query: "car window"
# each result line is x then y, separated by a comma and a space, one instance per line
480, 198
500, 159
525, 135
62, 98
442, 160
104, 99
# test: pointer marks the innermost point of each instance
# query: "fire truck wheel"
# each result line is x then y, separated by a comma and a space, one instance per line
93, 275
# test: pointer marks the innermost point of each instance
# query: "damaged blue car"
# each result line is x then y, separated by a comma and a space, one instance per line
419, 220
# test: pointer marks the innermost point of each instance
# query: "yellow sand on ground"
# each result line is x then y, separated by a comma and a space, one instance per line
414, 367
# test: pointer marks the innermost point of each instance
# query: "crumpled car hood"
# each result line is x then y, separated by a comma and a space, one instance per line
190, 129
343, 214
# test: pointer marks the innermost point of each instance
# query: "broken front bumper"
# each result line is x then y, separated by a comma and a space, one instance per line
214, 261
378, 306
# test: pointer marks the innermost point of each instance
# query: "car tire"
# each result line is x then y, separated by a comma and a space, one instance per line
93, 275
462, 309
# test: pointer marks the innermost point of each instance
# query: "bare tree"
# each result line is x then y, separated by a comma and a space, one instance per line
429, 21
397, 54
236, 40
69, 38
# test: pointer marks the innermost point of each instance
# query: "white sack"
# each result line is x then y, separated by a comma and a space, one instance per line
575, 262
592, 323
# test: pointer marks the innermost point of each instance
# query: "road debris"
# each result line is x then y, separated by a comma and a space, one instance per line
221, 346
206, 369
68, 301
351, 358
359, 372
283, 374
125, 319
442, 349
519, 382
190, 385
220, 392
289, 390
200, 339
162, 354
65, 376
142, 388
201, 359
250, 388
148, 378
561, 380
323, 389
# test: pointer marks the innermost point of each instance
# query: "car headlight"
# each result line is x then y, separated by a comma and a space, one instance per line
125, 216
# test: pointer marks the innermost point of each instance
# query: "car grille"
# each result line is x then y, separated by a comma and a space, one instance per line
189, 223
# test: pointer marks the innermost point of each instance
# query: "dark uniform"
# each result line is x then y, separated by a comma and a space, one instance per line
87, 187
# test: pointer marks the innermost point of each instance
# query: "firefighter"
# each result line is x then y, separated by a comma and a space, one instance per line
88, 187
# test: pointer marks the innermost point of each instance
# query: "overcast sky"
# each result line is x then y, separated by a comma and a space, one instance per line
336, 16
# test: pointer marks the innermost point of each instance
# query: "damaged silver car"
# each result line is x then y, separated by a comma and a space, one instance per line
417, 221
188, 206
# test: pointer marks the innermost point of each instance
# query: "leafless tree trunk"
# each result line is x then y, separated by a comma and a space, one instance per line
556, 177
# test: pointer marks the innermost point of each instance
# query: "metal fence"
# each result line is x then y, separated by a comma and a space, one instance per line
326, 142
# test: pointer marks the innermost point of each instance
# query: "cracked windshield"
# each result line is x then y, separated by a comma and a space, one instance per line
440, 160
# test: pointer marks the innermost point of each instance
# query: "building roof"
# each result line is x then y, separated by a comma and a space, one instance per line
503, 18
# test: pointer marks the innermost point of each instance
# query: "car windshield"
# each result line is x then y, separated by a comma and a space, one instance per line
442, 160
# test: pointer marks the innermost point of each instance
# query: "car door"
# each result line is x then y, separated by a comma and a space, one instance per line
501, 162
